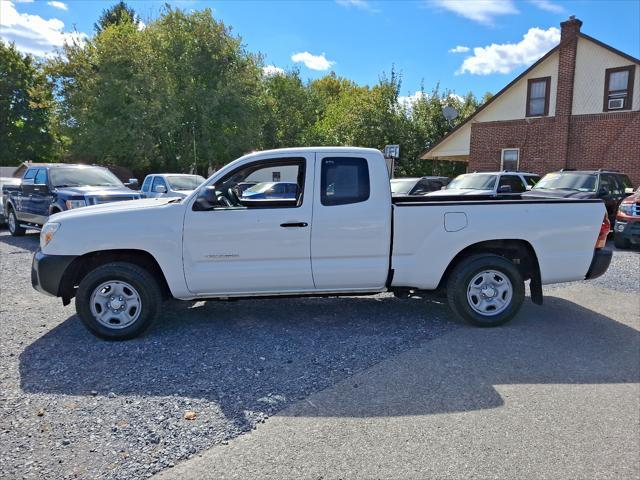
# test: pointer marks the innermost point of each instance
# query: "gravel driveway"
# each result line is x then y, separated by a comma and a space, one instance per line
73, 406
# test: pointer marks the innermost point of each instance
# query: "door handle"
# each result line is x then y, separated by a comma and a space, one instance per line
294, 224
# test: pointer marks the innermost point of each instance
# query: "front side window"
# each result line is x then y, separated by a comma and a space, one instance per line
531, 179
344, 180
538, 97
513, 182
510, 159
41, 177
618, 88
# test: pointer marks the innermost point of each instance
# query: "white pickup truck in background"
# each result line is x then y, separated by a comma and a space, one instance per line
336, 232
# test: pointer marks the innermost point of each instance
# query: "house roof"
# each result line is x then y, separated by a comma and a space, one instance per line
521, 76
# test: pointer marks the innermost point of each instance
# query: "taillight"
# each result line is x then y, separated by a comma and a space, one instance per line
605, 228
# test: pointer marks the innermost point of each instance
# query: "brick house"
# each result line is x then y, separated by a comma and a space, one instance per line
577, 107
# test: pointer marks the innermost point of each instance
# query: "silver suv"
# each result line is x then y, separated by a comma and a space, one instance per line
490, 183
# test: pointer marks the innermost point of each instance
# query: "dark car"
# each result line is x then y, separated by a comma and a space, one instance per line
627, 228
417, 186
611, 187
53, 188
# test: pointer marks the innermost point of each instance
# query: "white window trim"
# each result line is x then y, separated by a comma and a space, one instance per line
502, 159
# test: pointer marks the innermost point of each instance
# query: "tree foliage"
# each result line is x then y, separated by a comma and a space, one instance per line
184, 94
26, 105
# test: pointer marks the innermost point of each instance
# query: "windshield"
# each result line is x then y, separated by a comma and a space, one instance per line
184, 182
473, 182
579, 182
83, 176
260, 187
402, 186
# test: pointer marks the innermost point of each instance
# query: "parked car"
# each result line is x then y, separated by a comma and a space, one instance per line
341, 233
47, 190
271, 190
170, 184
489, 183
417, 186
627, 227
5, 181
611, 187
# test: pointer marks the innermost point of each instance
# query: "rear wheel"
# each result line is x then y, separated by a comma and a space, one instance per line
118, 301
485, 290
14, 227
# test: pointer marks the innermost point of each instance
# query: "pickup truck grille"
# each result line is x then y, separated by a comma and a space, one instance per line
101, 200
635, 209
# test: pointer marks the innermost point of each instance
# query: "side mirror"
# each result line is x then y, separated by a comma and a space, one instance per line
132, 183
528, 187
443, 188
628, 191
603, 192
504, 189
160, 189
207, 198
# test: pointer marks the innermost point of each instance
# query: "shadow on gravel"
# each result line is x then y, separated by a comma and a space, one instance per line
246, 355
262, 355
29, 243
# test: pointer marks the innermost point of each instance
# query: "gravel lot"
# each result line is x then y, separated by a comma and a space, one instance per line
73, 406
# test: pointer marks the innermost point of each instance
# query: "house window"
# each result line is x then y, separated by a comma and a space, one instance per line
618, 88
510, 159
538, 97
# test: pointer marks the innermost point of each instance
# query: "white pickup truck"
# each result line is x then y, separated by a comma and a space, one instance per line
337, 231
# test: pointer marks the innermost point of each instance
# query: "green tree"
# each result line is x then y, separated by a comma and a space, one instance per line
26, 104
116, 15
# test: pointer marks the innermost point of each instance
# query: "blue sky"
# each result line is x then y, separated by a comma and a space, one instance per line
360, 39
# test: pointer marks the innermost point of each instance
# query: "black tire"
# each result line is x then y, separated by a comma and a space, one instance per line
459, 282
140, 279
14, 226
621, 242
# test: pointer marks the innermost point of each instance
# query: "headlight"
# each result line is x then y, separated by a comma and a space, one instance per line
75, 204
626, 208
47, 233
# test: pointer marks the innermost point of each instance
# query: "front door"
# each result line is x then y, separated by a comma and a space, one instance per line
252, 241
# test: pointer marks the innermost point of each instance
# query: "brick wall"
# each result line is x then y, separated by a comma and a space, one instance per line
610, 140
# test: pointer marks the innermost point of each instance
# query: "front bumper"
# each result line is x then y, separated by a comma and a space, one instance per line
599, 263
628, 229
47, 272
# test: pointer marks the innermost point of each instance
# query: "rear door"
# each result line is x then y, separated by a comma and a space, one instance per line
351, 234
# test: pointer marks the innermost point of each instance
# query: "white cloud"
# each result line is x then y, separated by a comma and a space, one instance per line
24, 1
271, 70
481, 11
548, 5
459, 49
32, 33
141, 25
457, 97
56, 4
361, 4
407, 101
314, 62
503, 58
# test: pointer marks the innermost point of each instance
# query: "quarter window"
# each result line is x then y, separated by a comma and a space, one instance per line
510, 159
344, 180
538, 97
618, 88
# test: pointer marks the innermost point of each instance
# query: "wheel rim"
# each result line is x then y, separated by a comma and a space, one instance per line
115, 304
12, 222
489, 292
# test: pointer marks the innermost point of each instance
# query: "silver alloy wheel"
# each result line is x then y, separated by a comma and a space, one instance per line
489, 292
115, 304
12, 221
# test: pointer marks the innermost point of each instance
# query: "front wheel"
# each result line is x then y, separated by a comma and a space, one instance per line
485, 290
621, 242
118, 301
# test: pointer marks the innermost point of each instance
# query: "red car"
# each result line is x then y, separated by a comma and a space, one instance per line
627, 227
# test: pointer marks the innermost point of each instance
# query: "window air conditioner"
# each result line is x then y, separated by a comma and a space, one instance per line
616, 103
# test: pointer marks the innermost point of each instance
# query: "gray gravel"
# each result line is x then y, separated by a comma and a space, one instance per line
73, 406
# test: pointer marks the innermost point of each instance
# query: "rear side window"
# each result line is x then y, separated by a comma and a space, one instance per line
147, 184
344, 180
